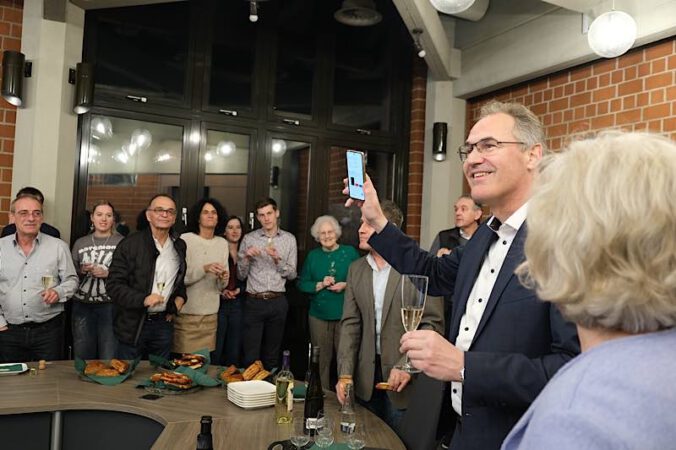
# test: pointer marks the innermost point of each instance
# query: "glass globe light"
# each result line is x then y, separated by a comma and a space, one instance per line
451, 6
611, 34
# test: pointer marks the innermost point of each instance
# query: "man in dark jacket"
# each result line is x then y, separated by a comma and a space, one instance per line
467, 216
145, 282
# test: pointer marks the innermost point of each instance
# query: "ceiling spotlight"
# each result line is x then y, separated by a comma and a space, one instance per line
416, 42
358, 13
611, 34
278, 147
451, 6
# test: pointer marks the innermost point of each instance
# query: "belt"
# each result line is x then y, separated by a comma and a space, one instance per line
33, 324
268, 295
152, 316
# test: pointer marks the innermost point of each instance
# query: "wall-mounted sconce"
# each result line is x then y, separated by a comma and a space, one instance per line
274, 177
14, 69
439, 137
83, 79
416, 42
253, 9
612, 33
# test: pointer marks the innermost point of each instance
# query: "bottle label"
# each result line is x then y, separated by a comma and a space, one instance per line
347, 427
289, 398
311, 423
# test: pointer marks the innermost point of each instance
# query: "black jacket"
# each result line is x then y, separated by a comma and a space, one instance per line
130, 281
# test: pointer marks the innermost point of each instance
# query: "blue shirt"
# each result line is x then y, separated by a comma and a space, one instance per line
21, 279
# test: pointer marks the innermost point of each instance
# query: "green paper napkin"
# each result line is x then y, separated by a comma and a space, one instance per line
199, 379
299, 390
80, 365
11, 368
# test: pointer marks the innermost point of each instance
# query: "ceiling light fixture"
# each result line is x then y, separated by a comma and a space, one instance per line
612, 33
358, 13
416, 42
451, 6
253, 9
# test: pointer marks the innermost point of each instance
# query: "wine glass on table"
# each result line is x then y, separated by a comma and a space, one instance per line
413, 296
298, 437
357, 439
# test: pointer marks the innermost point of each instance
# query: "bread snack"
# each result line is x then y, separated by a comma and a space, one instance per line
229, 371
252, 370
107, 372
174, 379
93, 367
261, 375
384, 386
119, 365
192, 360
232, 378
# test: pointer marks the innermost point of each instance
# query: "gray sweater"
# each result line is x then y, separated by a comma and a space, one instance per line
92, 250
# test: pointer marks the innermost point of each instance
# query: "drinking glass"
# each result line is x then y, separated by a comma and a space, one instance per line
298, 437
324, 440
47, 280
332, 269
357, 440
160, 281
324, 424
413, 295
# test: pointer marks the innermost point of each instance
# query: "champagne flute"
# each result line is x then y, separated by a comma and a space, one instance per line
332, 269
160, 281
47, 280
413, 295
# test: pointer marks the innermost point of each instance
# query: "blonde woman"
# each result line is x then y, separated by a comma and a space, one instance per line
602, 246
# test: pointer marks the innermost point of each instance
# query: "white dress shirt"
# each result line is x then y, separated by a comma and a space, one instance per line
380, 277
483, 285
166, 269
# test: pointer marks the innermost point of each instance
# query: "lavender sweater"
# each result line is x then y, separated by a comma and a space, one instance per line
619, 395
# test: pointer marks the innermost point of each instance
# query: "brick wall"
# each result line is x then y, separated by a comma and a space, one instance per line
11, 16
634, 92
416, 148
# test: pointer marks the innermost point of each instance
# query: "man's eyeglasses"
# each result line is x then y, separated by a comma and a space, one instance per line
483, 146
24, 213
163, 212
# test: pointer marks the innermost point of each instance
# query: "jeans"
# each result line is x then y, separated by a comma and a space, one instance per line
23, 343
264, 322
229, 333
155, 339
92, 326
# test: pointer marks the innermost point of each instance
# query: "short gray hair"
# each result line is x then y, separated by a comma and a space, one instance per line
602, 232
392, 212
527, 127
321, 220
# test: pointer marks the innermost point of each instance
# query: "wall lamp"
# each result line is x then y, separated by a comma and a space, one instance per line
612, 33
439, 138
253, 9
83, 79
417, 32
14, 69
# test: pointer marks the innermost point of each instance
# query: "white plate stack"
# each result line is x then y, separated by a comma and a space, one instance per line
251, 394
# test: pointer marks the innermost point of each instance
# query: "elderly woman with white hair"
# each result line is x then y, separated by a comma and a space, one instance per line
323, 277
602, 246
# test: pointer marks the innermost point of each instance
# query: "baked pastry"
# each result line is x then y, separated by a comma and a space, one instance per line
252, 370
261, 375
192, 360
229, 371
93, 366
383, 386
119, 365
234, 378
107, 372
177, 380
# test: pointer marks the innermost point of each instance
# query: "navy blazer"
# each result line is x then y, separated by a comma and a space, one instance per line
520, 342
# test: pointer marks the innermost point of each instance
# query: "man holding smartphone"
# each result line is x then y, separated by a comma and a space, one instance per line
504, 344
267, 260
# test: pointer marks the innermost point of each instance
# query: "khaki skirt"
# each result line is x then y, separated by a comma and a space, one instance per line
194, 332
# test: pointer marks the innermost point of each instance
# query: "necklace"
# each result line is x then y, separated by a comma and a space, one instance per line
105, 243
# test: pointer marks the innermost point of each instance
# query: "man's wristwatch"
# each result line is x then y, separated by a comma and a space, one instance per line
462, 375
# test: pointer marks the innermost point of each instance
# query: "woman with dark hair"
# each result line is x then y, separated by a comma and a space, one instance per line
92, 320
206, 275
229, 336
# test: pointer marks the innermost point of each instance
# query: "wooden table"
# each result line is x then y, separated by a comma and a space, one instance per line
58, 388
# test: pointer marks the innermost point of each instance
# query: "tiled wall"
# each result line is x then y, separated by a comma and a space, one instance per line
11, 16
636, 91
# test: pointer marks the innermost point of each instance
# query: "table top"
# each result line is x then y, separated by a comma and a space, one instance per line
59, 388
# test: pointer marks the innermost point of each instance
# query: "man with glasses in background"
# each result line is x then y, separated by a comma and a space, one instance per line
145, 281
44, 228
37, 277
504, 344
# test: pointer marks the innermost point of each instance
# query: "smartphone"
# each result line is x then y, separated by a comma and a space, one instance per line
356, 173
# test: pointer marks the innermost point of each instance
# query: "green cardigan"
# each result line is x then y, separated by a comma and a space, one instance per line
326, 305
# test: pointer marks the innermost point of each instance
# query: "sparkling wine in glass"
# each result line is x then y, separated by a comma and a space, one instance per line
413, 295
332, 269
47, 281
160, 282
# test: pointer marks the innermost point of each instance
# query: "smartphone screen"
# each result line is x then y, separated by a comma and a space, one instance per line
355, 174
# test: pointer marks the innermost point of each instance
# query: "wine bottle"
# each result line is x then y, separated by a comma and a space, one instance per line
204, 439
284, 396
314, 397
309, 364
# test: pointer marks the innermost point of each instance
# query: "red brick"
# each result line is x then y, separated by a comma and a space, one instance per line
630, 116
9, 43
579, 126
661, 80
578, 114
604, 80
569, 89
547, 120
12, 15
630, 87
8, 145
672, 62
631, 59
580, 99
537, 97
557, 117
580, 73
655, 126
617, 76
662, 49
10, 116
4, 28
558, 92
604, 94
615, 105
657, 96
604, 66
590, 110
559, 104
559, 79
671, 93
7, 131
539, 109
630, 73
642, 99
644, 69
602, 107
656, 112
568, 115
557, 130
629, 102
580, 86
554, 144
539, 85
669, 124
601, 122
16, 31
659, 65
547, 95
7, 175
